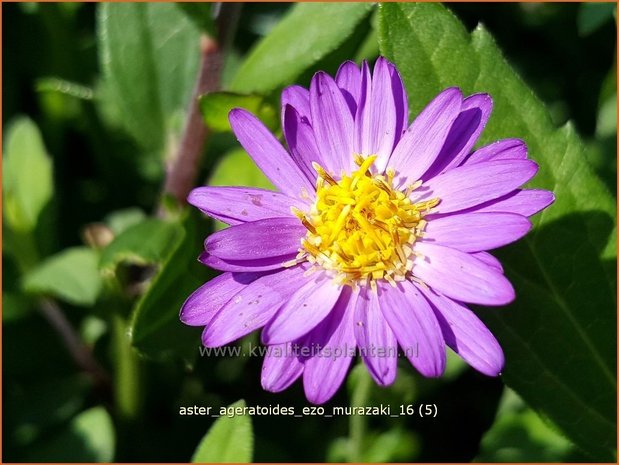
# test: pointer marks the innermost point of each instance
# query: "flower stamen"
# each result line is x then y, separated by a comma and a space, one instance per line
361, 228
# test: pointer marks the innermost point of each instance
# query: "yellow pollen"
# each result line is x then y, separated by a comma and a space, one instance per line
361, 228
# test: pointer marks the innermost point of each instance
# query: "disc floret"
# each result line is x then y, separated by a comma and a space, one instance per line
361, 228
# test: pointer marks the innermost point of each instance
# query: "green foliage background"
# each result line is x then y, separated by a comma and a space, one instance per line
96, 261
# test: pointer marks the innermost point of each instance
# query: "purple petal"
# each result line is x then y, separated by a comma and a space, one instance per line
262, 264
303, 311
271, 237
252, 307
268, 154
489, 260
464, 133
467, 335
376, 341
348, 79
236, 205
413, 322
475, 232
461, 276
525, 202
205, 301
375, 122
401, 106
301, 142
280, 368
505, 149
471, 185
298, 98
332, 123
325, 371
424, 139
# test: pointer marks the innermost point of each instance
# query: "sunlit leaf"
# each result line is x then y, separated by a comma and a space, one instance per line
229, 440
308, 33
216, 106
27, 182
149, 54
559, 335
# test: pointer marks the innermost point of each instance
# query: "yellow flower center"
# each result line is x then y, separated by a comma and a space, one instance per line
361, 228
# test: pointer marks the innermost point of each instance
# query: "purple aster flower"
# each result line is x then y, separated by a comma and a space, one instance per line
377, 238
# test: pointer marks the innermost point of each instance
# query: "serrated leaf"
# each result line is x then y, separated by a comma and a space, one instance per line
308, 33
89, 437
27, 175
149, 55
559, 335
229, 440
216, 106
155, 328
71, 275
146, 243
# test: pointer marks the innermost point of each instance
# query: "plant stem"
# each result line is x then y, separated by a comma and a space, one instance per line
183, 169
79, 351
127, 379
357, 424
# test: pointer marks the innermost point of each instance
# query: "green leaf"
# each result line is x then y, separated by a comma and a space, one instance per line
88, 438
216, 106
236, 168
591, 16
229, 440
27, 175
520, 435
201, 14
308, 33
71, 275
155, 328
146, 243
559, 335
120, 220
149, 57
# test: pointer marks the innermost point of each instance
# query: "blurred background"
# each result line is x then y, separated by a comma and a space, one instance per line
74, 388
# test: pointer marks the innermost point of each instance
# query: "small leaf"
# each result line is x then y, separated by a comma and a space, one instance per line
155, 328
216, 106
27, 175
120, 220
89, 437
236, 168
229, 440
559, 335
146, 243
308, 33
149, 57
71, 275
